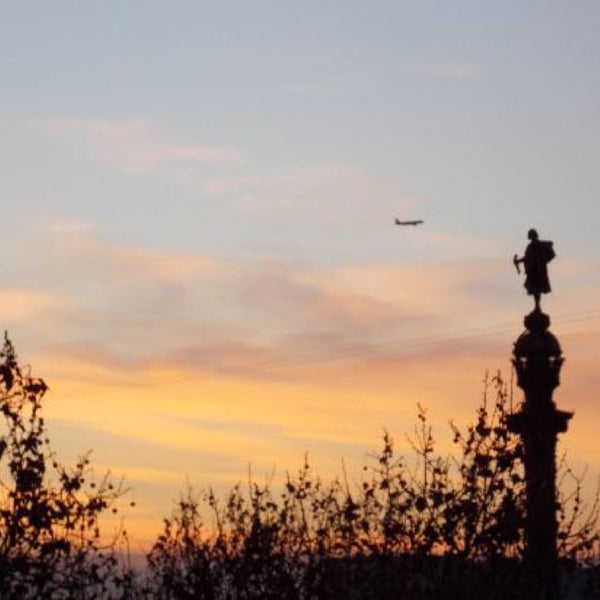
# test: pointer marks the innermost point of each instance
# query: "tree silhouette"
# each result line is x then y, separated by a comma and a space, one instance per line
423, 526
50, 539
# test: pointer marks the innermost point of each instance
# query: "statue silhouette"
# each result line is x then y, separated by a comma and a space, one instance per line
537, 256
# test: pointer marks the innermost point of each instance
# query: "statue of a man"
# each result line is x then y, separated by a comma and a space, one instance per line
537, 256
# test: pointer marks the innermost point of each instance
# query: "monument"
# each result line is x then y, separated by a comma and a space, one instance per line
537, 358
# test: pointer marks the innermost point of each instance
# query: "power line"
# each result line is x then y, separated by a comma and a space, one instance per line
398, 346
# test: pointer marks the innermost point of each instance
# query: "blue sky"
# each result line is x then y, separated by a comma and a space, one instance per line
201, 196
472, 113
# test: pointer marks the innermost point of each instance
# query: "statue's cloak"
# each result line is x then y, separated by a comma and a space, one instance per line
537, 256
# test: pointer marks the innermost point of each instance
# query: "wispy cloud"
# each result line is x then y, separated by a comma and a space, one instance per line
87, 252
235, 317
294, 189
135, 143
21, 305
286, 179
204, 365
319, 196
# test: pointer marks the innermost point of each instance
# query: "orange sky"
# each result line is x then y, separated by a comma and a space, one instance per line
208, 413
197, 240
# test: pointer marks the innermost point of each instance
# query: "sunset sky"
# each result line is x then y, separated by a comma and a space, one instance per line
197, 249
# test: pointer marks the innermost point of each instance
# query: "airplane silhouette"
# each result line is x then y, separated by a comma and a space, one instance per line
417, 222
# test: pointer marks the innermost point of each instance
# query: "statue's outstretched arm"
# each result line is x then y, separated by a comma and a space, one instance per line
517, 261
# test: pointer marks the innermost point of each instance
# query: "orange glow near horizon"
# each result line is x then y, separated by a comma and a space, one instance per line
163, 428
198, 248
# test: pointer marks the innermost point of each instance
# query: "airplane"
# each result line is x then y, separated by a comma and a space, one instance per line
417, 222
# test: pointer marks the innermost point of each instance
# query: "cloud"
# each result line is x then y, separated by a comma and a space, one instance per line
260, 363
290, 179
72, 227
135, 307
23, 304
120, 263
301, 190
327, 198
242, 360
233, 316
135, 312
135, 143
267, 319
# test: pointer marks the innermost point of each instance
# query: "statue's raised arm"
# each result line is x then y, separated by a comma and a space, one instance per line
536, 258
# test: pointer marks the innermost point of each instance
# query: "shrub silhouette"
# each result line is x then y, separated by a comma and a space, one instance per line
424, 527
50, 540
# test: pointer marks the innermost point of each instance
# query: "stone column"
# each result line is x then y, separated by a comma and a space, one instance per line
538, 359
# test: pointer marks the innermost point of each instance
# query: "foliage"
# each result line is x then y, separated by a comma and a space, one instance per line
50, 541
421, 526
424, 527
